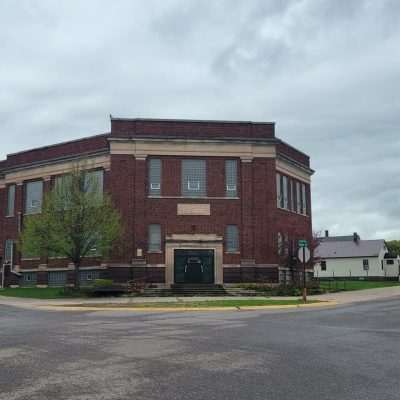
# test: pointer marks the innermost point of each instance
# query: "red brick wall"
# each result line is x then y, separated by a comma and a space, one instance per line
73, 148
291, 152
191, 129
255, 212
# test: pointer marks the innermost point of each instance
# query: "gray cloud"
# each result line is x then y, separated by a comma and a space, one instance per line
328, 72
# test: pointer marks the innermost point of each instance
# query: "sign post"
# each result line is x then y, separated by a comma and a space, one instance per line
304, 255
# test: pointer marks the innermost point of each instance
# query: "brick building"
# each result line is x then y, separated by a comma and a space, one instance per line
201, 201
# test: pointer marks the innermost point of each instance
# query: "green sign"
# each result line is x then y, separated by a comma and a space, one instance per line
303, 243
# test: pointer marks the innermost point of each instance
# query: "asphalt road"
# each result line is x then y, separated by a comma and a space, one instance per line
350, 352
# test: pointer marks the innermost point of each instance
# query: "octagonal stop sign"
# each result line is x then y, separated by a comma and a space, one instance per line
304, 254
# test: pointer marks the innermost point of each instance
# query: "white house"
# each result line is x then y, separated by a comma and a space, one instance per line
391, 265
351, 257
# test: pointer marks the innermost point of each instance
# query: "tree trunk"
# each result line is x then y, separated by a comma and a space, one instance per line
77, 277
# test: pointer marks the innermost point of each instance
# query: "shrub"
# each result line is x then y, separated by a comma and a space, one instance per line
101, 283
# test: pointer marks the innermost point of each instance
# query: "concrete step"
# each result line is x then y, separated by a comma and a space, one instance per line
197, 290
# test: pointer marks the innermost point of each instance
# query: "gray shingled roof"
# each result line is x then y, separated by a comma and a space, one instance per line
347, 248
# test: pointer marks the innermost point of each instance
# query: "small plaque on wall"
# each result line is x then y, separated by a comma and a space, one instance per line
193, 209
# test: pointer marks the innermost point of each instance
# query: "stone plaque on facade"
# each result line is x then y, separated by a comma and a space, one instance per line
193, 209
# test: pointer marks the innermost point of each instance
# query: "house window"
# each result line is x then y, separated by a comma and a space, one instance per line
155, 177
232, 239
231, 178
154, 240
29, 279
304, 199
389, 262
366, 265
298, 198
9, 251
285, 192
94, 181
292, 195
10, 201
57, 278
194, 178
33, 197
278, 191
280, 244
62, 185
87, 277
323, 265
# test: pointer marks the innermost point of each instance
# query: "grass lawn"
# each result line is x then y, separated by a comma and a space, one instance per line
356, 285
35, 293
198, 304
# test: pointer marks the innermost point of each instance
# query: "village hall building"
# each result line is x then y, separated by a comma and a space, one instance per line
212, 202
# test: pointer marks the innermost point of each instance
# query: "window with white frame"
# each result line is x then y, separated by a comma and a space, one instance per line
232, 239
194, 181
366, 264
10, 201
33, 197
154, 177
323, 265
231, 178
154, 238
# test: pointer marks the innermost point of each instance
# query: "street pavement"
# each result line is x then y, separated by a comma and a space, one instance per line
348, 352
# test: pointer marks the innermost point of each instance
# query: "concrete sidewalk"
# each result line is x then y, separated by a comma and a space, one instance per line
339, 298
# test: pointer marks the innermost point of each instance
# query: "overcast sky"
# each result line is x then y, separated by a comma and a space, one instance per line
328, 73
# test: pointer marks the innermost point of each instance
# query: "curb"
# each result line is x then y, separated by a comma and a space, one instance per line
184, 309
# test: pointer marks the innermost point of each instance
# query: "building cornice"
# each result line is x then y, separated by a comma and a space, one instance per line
141, 147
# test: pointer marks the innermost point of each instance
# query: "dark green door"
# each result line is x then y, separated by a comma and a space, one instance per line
194, 266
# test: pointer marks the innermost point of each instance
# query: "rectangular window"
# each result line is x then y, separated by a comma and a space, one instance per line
232, 239
33, 197
10, 201
231, 178
88, 277
154, 240
278, 190
9, 251
155, 177
298, 198
366, 265
323, 265
280, 244
292, 195
285, 192
304, 199
29, 279
62, 185
389, 262
57, 278
194, 180
94, 181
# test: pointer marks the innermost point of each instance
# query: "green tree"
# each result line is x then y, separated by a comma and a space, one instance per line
77, 220
393, 247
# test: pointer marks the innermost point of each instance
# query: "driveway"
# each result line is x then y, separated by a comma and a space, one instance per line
349, 352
